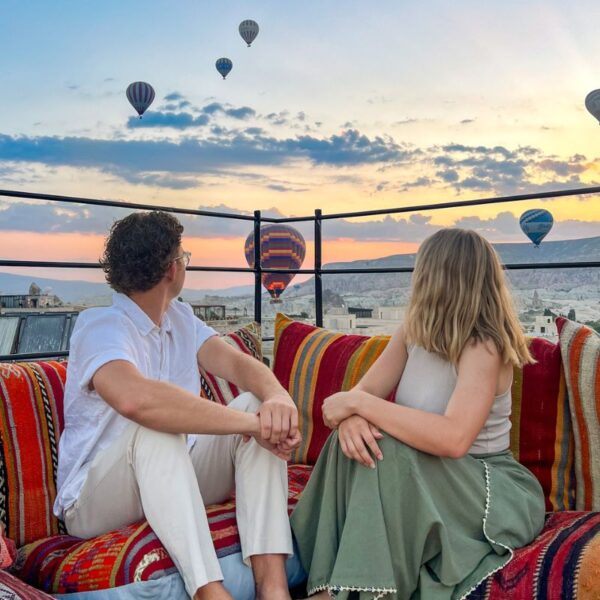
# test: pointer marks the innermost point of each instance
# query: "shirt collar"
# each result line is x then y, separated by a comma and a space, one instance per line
141, 320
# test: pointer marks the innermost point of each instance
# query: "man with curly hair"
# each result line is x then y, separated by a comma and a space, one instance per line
139, 442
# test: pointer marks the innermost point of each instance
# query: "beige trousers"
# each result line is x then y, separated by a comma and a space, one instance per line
151, 474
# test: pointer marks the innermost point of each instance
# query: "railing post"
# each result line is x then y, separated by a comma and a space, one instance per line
318, 281
257, 270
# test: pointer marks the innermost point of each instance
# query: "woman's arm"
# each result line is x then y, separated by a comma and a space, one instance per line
450, 434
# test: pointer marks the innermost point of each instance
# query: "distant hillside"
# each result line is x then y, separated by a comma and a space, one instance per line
564, 251
84, 292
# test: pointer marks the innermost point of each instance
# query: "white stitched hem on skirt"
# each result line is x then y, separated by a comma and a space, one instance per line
378, 593
488, 501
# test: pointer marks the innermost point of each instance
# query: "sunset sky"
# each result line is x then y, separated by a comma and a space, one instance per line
339, 105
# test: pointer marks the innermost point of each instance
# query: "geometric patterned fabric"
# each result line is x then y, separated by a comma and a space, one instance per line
31, 420
246, 339
542, 434
580, 347
562, 563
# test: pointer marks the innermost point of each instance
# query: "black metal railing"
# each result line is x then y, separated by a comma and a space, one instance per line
257, 219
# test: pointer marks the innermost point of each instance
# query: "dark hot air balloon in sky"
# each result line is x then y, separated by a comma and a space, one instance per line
140, 95
592, 103
281, 247
536, 223
248, 31
224, 66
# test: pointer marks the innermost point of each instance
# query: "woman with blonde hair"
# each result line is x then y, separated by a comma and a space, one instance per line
421, 497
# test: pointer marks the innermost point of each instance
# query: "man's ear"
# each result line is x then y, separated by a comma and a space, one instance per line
171, 271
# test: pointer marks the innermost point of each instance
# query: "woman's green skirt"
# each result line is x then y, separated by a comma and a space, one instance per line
417, 526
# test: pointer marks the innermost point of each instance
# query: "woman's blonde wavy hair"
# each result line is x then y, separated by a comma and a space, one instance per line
459, 293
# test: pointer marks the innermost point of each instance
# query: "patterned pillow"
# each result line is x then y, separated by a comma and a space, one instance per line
31, 420
313, 363
542, 434
12, 588
562, 562
248, 340
580, 347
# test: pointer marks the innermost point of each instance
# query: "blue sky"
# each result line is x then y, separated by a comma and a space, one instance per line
337, 105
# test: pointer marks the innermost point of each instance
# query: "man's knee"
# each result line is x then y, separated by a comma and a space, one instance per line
245, 402
150, 441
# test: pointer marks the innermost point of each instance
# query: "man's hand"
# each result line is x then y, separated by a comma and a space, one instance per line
279, 420
357, 436
337, 408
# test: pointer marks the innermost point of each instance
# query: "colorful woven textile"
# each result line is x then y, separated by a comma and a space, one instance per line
64, 564
12, 588
541, 434
580, 347
31, 419
313, 363
563, 563
248, 340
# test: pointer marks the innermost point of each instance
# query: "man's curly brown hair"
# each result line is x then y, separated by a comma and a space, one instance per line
139, 250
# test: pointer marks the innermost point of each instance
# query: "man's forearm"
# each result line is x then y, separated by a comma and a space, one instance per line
256, 377
166, 407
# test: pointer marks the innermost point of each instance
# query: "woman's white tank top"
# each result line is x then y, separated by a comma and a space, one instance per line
427, 384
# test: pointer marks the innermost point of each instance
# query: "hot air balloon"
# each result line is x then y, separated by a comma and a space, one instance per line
224, 65
248, 31
536, 223
281, 247
140, 95
592, 103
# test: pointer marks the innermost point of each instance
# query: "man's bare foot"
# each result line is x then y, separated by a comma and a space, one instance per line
212, 591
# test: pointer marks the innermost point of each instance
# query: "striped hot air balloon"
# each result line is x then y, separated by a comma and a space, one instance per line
140, 95
281, 247
536, 223
248, 31
224, 66
592, 103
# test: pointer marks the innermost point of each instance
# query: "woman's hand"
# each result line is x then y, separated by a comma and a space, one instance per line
357, 436
336, 408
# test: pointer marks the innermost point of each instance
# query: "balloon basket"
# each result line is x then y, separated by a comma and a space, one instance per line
275, 301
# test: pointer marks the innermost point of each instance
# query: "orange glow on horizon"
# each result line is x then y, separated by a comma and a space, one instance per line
217, 252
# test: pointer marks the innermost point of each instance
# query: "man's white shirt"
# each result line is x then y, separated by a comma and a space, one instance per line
122, 331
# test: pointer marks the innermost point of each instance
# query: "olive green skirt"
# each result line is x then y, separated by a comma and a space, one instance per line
417, 526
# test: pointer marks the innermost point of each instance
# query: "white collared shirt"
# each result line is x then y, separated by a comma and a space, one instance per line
122, 331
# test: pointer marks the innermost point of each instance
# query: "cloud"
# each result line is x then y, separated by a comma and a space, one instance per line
174, 96
131, 158
407, 121
467, 121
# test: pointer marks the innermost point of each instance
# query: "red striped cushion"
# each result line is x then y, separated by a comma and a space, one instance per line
31, 419
580, 347
542, 435
64, 564
12, 588
313, 363
246, 339
561, 563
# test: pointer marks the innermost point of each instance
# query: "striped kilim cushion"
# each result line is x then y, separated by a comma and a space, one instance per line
12, 588
313, 363
248, 340
580, 347
562, 563
64, 564
541, 434
31, 419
